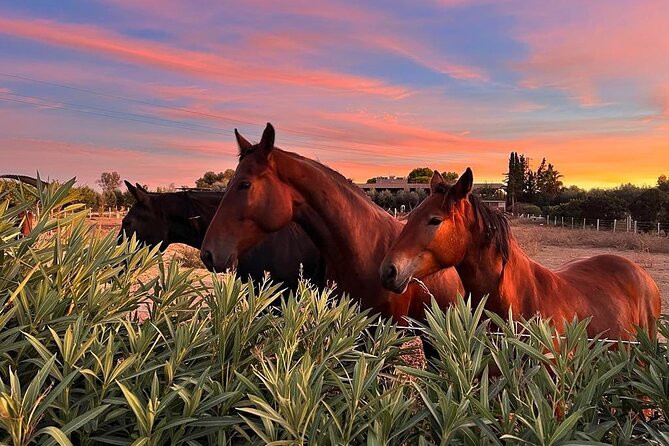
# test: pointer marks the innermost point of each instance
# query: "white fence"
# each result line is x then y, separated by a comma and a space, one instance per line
616, 225
110, 213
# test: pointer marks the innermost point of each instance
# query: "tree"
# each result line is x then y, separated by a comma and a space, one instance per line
487, 192
549, 184
170, 188
109, 181
386, 199
420, 175
663, 183
371, 180
87, 195
450, 177
216, 181
600, 204
650, 204
372, 194
516, 178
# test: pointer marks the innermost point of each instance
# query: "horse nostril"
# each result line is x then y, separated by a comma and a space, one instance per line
391, 272
207, 258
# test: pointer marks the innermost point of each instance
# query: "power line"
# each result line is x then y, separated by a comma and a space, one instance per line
74, 108
147, 119
211, 115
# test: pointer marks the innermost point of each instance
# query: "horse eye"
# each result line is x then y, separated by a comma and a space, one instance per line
244, 185
435, 221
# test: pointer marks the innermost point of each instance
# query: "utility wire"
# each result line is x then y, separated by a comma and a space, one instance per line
147, 119
210, 115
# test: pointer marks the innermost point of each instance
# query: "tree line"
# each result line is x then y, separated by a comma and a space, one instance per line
541, 192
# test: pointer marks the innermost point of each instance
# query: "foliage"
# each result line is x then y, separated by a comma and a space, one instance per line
218, 361
516, 177
651, 205
215, 181
87, 196
420, 175
526, 208
109, 181
450, 177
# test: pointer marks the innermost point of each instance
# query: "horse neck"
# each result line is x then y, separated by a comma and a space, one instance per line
352, 233
509, 284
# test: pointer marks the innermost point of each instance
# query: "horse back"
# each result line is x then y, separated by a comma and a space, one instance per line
616, 288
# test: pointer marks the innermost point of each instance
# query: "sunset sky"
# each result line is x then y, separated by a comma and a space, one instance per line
153, 89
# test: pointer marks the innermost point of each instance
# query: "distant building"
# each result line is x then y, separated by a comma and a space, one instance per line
396, 184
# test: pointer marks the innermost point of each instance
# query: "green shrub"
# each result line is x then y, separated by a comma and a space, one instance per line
103, 342
526, 208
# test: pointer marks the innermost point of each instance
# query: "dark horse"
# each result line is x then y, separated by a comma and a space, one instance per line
183, 217
454, 228
28, 216
273, 188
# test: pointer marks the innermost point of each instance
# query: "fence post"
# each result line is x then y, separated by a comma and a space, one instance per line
658, 228
598, 225
572, 222
614, 224
584, 223
555, 221
635, 227
562, 219
548, 220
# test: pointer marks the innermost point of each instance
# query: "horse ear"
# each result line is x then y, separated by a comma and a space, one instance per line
137, 191
244, 145
267, 140
463, 187
436, 181
141, 188
131, 188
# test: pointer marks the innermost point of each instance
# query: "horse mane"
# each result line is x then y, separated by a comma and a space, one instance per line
340, 179
495, 223
25, 179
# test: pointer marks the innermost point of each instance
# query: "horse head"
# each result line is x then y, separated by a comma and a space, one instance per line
145, 218
436, 234
257, 202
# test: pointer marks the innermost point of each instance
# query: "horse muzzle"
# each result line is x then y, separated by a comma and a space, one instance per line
218, 262
394, 278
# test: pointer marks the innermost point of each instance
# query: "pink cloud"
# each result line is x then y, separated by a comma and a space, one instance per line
200, 64
578, 47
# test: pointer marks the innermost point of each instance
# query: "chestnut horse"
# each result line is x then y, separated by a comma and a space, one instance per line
272, 188
183, 217
27, 217
452, 227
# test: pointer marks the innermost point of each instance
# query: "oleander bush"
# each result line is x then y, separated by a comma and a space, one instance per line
104, 342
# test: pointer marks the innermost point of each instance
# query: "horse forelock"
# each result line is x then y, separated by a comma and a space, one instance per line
495, 224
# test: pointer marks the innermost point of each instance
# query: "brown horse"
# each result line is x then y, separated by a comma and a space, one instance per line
27, 222
27, 217
271, 188
183, 217
452, 227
